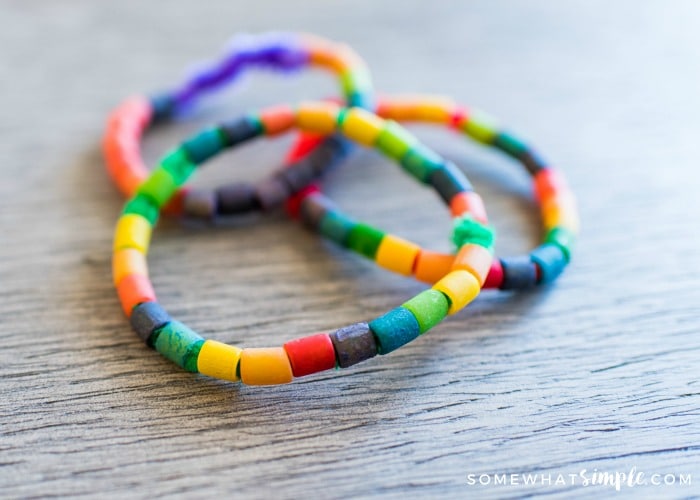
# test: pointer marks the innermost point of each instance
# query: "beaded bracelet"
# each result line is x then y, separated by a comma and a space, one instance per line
556, 201
341, 348
281, 51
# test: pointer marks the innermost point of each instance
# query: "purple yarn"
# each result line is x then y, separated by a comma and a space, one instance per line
281, 52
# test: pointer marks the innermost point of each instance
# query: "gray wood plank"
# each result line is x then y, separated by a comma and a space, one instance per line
598, 372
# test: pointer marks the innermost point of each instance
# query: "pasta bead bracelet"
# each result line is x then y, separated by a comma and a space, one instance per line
342, 348
556, 201
286, 52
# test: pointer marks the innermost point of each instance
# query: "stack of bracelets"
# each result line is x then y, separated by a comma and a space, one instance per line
329, 130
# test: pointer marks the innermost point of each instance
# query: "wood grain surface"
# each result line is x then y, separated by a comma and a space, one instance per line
599, 372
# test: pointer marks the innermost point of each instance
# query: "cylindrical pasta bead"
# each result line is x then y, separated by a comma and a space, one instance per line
133, 290
460, 288
479, 127
365, 240
200, 203
547, 183
475, 259
563, 238
128, 261
431, 266
394, 140
394, 329
265, 366
144, 206
495, 277
204, 145
181, 345
361, 126
240, 130
219, 360
519, 273
429, 307
277, 120
353, 344
469, 203
235, 199
146, 318
310, 354
132, 231
421, 162
318, 117
160, 186
550, 259
449, 181
397, 255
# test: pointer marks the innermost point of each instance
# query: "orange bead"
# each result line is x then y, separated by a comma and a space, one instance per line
133, 290
128, 261
432, 266
265, 366
547, 183
474, 259
277, 119
468, 203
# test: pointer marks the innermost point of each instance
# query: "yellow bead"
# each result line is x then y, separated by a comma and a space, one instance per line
128, 261
362, 126
560, 211
460, 287
219, 360
436, 110
265, 366
396, 254
318, 117
132, 231
475, 259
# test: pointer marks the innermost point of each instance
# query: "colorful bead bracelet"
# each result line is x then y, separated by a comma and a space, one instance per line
341, 348
281, 51
556, 201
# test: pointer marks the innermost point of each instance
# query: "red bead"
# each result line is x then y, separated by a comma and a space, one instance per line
310, 354
495, 276
293, 204
304, 144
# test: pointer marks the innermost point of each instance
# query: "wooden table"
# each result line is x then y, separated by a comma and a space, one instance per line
599, 372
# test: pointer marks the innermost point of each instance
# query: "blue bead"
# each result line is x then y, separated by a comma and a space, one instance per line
394, 329
551, 260
204, 145
336, 227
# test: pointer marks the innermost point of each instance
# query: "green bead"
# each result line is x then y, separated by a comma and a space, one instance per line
421, 162
352, 81
394, 140
178, 165
179, 344
394, 329
480, 129
160, 186
336, 227
204, 145
466, 229
510, 145
429, 307
365, 240
143, 206
563, 238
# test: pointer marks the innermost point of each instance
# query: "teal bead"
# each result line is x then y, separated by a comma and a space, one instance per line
204, 145
179, 344
421, 162
563, 238
394, 329
510, 145
550, 259
429, 308
336, 227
